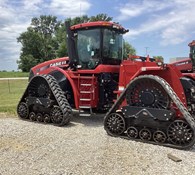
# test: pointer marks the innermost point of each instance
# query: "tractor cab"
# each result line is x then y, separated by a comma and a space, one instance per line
94, 43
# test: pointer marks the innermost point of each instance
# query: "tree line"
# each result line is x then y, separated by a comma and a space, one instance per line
45, 39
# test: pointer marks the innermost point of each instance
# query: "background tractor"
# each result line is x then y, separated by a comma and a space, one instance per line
143, 99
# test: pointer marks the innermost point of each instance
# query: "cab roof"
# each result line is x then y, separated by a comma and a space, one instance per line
104, 24
192, 43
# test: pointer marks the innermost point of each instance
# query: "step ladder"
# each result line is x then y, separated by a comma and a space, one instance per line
86, 95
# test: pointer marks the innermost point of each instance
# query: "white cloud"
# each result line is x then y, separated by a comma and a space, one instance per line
16, 16
34, 5
138, 8
69, 8
174, 20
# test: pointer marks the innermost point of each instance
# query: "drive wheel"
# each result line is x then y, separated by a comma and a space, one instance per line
39, 88
114, 124
145, 134
23, 110
146, 92
132, 132
180, 133
159, 136
56, 115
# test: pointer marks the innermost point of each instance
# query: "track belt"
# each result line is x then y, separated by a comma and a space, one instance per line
59, 96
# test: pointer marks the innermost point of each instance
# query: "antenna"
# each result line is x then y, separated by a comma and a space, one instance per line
80, 10
146, 50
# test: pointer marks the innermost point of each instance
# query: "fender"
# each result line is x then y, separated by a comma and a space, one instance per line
170, 73
74, 88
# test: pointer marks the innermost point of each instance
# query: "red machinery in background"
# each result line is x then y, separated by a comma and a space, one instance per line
143, 99
187, 65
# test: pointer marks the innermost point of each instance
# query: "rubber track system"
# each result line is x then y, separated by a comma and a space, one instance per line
173, 96
60, 108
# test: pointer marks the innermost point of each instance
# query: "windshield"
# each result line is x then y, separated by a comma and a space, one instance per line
112, 47
88, 46
94, 49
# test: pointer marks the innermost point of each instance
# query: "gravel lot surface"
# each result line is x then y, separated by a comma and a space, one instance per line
83, 147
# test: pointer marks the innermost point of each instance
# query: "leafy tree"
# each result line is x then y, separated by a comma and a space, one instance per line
62, 50
78, 20
39, 41
128, 49
46, 27
31, 43
85, 18
101, 17
60, 38
26, 62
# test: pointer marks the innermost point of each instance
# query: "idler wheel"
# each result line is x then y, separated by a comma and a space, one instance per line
145, 134
56, 115
23, 110
46, 118
159, 136
39, 117
114, 124
180, 133
132, 132
32, 116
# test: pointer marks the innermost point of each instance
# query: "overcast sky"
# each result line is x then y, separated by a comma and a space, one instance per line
164, 27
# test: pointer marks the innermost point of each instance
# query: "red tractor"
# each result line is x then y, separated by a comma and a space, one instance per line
143, 99
187, 65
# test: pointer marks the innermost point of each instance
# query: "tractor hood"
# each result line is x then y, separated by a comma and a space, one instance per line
58, 62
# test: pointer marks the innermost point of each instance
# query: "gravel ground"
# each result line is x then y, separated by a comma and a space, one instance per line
83, 147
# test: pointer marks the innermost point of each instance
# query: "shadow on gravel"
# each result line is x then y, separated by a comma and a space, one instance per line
94, 121
89, 121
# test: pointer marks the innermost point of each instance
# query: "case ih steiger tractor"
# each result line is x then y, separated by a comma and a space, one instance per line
143, 99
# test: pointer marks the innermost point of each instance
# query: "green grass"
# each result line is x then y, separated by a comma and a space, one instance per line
10, 93
13, 74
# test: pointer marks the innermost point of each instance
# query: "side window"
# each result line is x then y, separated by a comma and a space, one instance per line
112, 45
